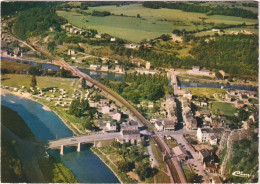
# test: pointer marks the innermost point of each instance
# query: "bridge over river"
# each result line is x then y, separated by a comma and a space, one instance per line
78, 140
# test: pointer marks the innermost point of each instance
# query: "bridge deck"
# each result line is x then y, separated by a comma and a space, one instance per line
81, 139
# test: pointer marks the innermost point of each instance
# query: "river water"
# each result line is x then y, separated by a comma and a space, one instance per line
120, 77
46, 125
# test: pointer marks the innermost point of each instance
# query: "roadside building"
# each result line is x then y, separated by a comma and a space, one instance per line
110, 127
131, 136
210, 135
158, 126
204, 156
188, 94
129, 125
243, 98
104, 68
94, 67
168, 125
197, 71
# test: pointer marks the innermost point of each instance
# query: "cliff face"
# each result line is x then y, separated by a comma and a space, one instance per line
238, 151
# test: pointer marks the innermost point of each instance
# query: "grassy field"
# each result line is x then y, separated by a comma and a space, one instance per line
223, 108
55, 172
205, 92
13, 66
15, 123
153, 22
18, 81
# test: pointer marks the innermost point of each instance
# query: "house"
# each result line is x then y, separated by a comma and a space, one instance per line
188, 94
116, 116
239, 104
171, 108
197, 71
71, 52
168, 125
243, 98
110, 127
105, 110
203, 113
228, 97
216, 30
177, 38
181, 153
130, 125
104, 68
204, 156
147, 65
98, 36
94, 67
131, 46
222, 73
190, 122
158, 126
112, 39
145, 71
131, 136
206, 124
211, 135
71, 29
246, 32
119, 68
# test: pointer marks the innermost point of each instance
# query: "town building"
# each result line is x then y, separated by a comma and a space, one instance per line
158, 126
197, 71
105, 110
112, 39
188, 94
210, 135
119, 68
205, 155
94, 67
168, 125
131, 136
148, 65
129, 125
239, 104
177, 38
228, 97
110, 127
171, 108
104, 68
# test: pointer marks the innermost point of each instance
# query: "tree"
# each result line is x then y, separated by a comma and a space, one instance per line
144, 170
124, 166
138, 15
33, 81
51, 46
83, 83
218, 75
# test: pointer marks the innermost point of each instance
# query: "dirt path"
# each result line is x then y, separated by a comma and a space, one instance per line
29, 152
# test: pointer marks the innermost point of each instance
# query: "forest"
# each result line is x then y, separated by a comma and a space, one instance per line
36, 21
209, 10
138, 87
235, 54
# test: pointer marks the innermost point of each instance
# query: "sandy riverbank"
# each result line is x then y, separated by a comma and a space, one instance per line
29, 96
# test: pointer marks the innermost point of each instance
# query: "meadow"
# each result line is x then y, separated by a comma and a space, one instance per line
153, 22
225, 109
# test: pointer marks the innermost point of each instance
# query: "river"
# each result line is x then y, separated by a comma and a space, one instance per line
46, 125
120, 77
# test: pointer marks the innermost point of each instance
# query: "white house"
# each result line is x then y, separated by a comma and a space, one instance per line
105, 110
158, 126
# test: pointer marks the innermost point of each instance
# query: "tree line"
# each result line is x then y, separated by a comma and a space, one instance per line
36, 21
209, 10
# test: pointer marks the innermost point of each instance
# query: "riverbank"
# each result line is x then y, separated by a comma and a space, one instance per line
112, 168
29, 96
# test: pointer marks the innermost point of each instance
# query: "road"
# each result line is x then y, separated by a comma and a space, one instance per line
81, 139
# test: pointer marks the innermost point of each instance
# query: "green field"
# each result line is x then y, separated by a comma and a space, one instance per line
153, 22
223, 108
205, 92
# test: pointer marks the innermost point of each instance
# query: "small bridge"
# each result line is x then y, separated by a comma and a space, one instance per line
78, 140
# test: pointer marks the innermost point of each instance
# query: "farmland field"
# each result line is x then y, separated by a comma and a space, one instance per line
153, 22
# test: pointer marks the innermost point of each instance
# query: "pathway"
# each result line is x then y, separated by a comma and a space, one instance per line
154, 161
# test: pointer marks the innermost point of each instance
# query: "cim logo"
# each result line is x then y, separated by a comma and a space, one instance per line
240, 174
